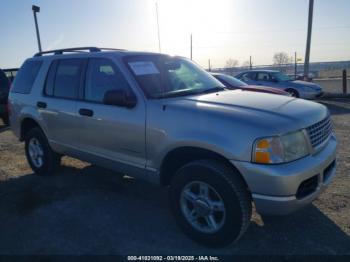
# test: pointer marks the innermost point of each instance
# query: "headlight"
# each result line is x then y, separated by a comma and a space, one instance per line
280, 149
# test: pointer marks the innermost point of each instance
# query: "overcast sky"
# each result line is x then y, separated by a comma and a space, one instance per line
221, 29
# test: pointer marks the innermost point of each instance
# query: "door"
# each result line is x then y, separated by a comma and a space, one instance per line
57, 106
108, 131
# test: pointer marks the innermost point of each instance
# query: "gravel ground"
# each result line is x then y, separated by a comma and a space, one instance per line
88, 210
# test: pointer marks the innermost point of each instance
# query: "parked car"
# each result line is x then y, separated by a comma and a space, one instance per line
279, 80
166, 120
4, 92
233, 83
10, 73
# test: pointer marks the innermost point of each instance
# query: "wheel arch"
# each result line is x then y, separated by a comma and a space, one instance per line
27, 124
180, 156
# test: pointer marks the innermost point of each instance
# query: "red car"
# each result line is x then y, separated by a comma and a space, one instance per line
233, 83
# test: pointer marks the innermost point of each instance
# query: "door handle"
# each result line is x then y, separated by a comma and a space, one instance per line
86, 112
41, 104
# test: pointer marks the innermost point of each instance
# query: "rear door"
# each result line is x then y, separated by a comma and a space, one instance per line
58, 103
108, 131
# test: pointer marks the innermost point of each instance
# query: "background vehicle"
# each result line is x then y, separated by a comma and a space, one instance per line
4, 92
279, 80
233, 83
166, 120
10, 73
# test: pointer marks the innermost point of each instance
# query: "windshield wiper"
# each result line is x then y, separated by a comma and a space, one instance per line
187, 92
212, 90
177, 93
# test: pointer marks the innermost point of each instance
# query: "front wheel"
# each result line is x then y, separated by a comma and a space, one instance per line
293, 92
210, 202
41, 158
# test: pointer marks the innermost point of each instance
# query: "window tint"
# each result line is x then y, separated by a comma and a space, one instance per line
102, 75
263, 77
67, 78
26, 76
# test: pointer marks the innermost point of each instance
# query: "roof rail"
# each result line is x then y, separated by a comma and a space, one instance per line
75, 50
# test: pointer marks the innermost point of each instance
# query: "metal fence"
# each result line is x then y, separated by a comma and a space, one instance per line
317, 70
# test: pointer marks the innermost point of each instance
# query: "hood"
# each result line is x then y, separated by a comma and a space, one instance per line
261, 110
299, 83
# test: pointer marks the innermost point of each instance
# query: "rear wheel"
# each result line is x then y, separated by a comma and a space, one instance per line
41, 158
293, 92
210, 202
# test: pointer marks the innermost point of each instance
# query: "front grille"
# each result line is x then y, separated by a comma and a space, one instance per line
320, 132
307, 187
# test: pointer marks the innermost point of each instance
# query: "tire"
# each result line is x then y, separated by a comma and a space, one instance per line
35, 138
293, 92
225, 187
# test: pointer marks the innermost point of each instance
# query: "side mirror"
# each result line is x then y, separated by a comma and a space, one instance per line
119, 98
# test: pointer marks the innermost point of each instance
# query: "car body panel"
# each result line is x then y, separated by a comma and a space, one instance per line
305, 89
246, 87
136, 141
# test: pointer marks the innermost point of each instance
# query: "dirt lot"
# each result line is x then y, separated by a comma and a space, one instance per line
88, 210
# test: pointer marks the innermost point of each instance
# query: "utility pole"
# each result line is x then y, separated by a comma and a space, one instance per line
36, 9
209, 67
250, 63
308, 41
191, 48
295, 65
158, 28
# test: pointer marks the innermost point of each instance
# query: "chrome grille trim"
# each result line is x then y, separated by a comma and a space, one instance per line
320, 132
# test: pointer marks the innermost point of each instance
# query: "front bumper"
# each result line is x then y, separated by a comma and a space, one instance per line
275, 188
311, 95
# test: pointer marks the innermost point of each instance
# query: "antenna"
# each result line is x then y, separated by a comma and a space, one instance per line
158, 28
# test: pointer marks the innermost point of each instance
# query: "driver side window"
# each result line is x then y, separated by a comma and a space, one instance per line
102, 75
248, 76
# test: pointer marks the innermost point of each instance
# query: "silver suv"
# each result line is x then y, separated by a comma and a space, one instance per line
166, 120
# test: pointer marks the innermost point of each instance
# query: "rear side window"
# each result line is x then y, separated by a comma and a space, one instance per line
26, 76
63, 78
263, 76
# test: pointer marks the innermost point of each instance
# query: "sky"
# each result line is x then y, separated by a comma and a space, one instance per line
221, 29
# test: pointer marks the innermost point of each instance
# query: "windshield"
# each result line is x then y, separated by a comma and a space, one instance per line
281, 77
165, 76
231, 81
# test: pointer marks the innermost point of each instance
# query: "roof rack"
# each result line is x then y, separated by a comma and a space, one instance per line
75, 50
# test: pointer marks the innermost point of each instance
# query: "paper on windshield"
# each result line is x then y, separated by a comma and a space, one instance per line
143, 68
